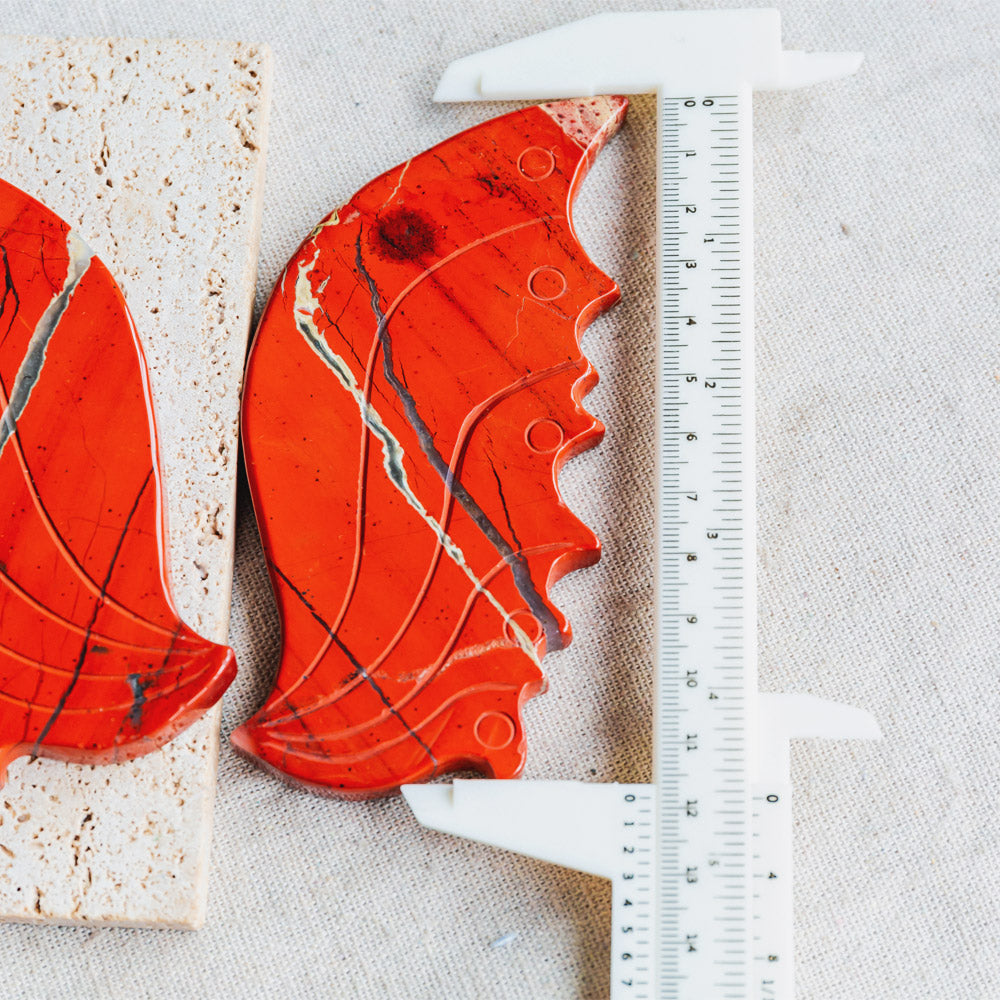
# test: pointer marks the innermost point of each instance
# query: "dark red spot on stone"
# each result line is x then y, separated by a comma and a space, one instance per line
404, 234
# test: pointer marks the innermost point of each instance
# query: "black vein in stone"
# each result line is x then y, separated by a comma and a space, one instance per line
139, 684
518, 564
98, 604
8, 290
70, 555
356, 663
506, 512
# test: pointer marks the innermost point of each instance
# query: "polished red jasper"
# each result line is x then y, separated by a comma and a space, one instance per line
413, 390
95, 665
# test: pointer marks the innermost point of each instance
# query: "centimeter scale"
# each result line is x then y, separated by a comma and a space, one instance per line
700, 860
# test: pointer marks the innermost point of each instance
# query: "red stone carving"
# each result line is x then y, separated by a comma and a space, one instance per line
413, 390
95, 665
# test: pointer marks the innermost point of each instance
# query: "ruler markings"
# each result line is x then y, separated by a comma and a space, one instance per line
701, 697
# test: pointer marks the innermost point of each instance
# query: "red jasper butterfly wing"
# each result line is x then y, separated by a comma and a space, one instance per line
95, 665
412, 392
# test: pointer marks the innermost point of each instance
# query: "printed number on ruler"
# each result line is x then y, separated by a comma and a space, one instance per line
632, 939
703, 769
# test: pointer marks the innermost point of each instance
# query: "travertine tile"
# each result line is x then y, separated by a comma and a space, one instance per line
154, 152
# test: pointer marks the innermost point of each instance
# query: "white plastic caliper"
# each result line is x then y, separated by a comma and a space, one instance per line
700, 860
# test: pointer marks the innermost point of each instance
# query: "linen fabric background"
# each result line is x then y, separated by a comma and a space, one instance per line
878, 405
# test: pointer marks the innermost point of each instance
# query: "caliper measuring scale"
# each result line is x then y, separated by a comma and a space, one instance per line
700, 860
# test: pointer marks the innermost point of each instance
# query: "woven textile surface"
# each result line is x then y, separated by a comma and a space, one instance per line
878, 409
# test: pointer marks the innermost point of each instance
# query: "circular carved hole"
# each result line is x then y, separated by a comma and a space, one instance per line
536, 163
544, 435
526, 622
546, 283
495, 730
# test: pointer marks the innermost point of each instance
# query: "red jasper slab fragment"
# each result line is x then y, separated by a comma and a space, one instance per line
412, 392
95, 665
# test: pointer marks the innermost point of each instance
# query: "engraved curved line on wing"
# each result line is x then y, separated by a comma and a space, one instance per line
522, 579
325, 700
465, 432
52, 668
47, 612
392, 451
359, 668
85, 710
16, 402
306, 306
382, 320
360, 508
468, 426
422, 678
448, 495
471, 420
306, 753
81, 656
104, 599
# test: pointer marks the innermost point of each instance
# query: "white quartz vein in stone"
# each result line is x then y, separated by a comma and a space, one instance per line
34, 357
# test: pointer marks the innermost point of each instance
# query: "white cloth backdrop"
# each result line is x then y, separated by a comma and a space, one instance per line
879, 437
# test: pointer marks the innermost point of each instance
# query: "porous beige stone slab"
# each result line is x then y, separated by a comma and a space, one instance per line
154, 152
